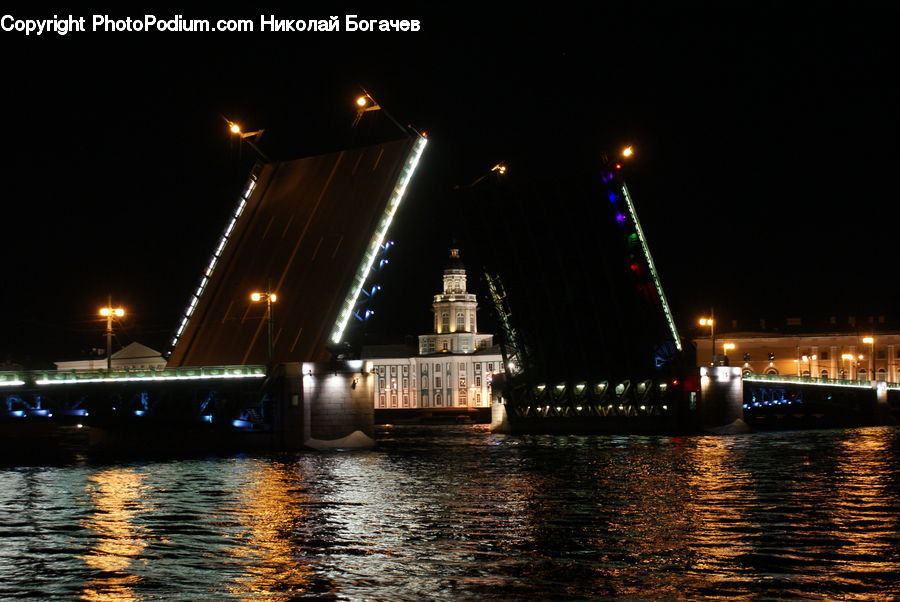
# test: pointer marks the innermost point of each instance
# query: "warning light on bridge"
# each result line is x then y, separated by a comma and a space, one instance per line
235, 128
361, 101
627, 151
109, 311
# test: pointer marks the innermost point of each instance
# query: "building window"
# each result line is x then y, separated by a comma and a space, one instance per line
444, 346
445, 322
460, 321
880, 354
861, 375
405, 383
881, 374
823, 355
824, 373
462, 382
437, 382
381, 401
462, 398
380, 370
491, 367
405, 370
406, 401
462, 366
477, 380
437, 399
465, 346
478, 397
381, 384
424, 382
437, 369
393, 401
477, 367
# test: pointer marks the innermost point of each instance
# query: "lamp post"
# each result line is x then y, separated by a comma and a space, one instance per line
848, 357
726, 347
270, 298
871, 341
109, 312
712, 333
245, 136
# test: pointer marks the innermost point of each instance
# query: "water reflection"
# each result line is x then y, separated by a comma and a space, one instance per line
272, 506
118, 497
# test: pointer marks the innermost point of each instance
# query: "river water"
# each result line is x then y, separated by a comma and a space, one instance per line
449, 513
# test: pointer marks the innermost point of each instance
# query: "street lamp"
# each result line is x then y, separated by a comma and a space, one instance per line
726, 348
245, 136
270, 298
712, 333
627, 151
871, 341
109, 312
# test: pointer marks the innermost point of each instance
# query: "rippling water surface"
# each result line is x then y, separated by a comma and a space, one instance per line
459, 513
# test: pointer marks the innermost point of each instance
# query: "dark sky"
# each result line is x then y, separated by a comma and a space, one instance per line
765, 175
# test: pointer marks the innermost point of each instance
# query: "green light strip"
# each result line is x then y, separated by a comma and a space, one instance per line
786, 380
377, 240
656, 281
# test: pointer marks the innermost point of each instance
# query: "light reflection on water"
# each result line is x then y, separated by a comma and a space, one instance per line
455, 512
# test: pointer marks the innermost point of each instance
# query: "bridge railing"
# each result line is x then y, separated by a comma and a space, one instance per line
812, 380
61, 377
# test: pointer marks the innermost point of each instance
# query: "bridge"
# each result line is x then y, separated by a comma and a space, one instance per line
311, 230
779, 401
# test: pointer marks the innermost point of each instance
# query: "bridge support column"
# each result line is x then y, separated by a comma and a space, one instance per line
338, 405
721, 400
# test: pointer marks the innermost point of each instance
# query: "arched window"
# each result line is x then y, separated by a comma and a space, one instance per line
460, 321
824, 373
771, 371
437, 399
862, 374
881, 374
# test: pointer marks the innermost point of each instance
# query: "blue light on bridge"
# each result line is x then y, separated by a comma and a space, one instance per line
139, 412
241, 424
207, 418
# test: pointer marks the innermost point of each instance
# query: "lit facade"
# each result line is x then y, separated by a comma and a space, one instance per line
133, 356
841, 356
455, 364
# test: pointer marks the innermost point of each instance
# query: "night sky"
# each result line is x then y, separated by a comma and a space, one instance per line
765, 174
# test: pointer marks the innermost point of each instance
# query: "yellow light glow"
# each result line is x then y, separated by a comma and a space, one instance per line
104, 311
235, 128
255, 296
728, 346
868, 340
120, 312
847, 356
361, 101
814, 357
273, 297
861, 356
706, 321
627, 151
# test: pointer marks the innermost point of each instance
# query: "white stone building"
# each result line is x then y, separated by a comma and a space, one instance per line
455, 364
133, 356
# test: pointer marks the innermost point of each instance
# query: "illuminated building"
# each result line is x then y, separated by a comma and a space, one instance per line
455, 364
133, 356
846, 356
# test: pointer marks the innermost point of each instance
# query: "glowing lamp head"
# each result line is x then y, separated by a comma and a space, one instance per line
868, 340
706, 321
627, 151
119, 312
728, 346
255, 296
104, 311
235, 128
361, 101
273, 297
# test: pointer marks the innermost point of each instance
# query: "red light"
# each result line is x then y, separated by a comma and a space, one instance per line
424, 134
618, 166
634, 267
675, 382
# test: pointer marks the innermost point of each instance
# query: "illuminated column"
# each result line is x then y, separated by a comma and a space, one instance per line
891, 364
834, 357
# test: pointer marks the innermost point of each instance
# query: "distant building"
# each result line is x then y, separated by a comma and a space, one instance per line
454, 365
133, 356
847, 356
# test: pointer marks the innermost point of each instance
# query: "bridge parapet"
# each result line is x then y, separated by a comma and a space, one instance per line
181, 373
